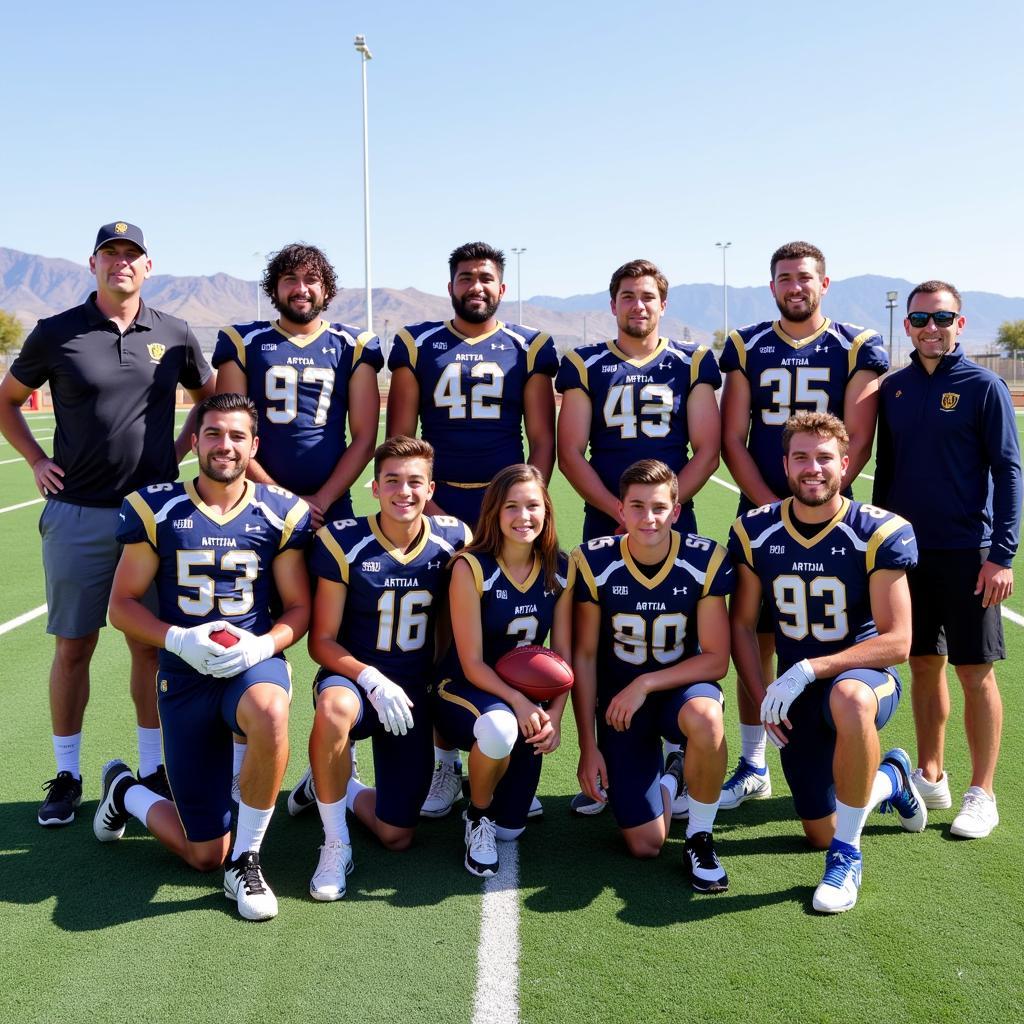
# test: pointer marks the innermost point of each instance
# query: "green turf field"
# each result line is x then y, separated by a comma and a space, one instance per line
125, 932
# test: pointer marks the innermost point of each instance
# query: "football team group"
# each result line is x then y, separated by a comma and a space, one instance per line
407, 611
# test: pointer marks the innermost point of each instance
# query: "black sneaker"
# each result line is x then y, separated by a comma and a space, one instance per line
109, 821
64, 794
156, 782
701, 863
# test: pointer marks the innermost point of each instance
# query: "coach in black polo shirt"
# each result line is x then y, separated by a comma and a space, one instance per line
114, 366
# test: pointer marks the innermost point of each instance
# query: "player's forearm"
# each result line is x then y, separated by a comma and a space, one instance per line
483, 676
346, 472
584, 701
876, 652
697, 472
542, 454
136, 621
258, 475
746, 656
329, 654
860, 453
587, 483
706, 667
745, 472
291, 626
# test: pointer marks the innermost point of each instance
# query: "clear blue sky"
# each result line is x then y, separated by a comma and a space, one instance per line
590, 133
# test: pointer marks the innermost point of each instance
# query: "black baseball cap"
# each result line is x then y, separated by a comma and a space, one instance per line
120, 230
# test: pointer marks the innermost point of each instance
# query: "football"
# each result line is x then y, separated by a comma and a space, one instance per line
535, 671
224, 638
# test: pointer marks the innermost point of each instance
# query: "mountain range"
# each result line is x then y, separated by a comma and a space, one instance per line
36, 286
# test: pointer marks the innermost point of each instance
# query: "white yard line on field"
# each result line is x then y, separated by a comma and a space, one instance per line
726, 484
1017, 620
497, 958
23, 504
6, 627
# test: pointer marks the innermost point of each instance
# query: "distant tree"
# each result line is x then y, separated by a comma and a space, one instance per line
1011, 336
11, 333
719, 343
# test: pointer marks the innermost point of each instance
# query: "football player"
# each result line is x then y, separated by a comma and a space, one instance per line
650, 641
508, 589
373, 636
833, 574
802, 361
474, 384
213, 546
637, 396
306, 376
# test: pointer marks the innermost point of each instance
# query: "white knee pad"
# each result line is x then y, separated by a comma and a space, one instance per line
496, 733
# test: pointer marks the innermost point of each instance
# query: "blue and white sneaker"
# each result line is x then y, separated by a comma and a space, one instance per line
583, 807
907, 803
745, 783
841, 881
303, 796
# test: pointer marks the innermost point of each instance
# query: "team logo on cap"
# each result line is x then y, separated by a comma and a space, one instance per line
120, 227
949, 400
156, 351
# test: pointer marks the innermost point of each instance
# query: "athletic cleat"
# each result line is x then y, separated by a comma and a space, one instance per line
978, 815
934, 795
156, 782
745, 783
63, 795
536, 809
481, 848
244, 883
582, 806
303, 796
841, 881
907, 803
445, 790
110, 819
701, 863
329, 880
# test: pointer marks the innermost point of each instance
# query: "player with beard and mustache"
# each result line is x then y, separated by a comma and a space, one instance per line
306, 376
802, 361
834, 575
474, 384
639, 396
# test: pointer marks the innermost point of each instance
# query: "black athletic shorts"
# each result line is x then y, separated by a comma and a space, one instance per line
948, 616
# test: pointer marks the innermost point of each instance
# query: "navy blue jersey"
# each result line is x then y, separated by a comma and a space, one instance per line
214, 566
300, 386
471, 393
787, 376
639, 405
511, 614
818, 588
646, 624
390, 604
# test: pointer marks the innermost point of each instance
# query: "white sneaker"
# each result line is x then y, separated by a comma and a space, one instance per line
745, 783
837, 891
244, 883
933, 794
481, 848
329, 880
978, 815
445, 789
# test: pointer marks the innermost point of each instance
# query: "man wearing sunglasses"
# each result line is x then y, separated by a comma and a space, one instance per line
949, 461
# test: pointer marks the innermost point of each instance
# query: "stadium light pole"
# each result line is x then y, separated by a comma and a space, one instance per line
366, 57
890, 304
519, 281
725, 293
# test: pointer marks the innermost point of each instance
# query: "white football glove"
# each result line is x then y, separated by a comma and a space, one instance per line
250, 650
388, 700
780, 695
193, 645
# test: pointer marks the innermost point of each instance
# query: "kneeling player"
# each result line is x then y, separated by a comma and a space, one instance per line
833, 572
508, 589
651, 639
208, 544
373, 634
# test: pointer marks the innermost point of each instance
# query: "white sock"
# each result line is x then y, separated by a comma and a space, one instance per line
68, 752
850, 822
335, 822
138, 800
448, 757
252, 826
752, 744
881, 789
151, 751
355, 787
237, 757
702, 817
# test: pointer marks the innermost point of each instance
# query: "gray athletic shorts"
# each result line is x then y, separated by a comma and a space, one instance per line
80, 555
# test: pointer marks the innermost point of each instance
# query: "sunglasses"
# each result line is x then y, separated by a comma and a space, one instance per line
943, 318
